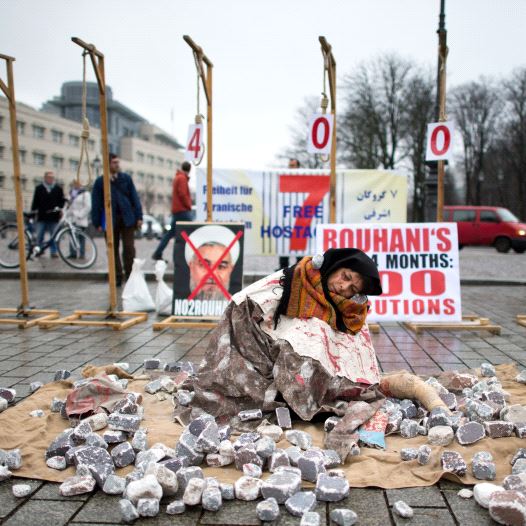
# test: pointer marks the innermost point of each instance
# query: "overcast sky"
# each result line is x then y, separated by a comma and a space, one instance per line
266, 54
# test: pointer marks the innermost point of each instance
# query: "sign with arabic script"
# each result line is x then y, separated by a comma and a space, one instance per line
418, 265
282, 208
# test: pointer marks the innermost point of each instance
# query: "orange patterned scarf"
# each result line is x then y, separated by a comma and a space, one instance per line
307, 300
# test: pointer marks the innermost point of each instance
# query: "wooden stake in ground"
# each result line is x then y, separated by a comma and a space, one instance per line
110, 318
23, 315
329, 65
206, 79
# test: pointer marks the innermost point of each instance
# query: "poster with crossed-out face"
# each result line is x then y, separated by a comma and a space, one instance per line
208, 267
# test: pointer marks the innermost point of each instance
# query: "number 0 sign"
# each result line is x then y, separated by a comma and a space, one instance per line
320, 133
439, 141
194, 144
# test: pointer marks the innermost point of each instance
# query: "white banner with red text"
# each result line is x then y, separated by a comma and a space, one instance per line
282, 208
418, 265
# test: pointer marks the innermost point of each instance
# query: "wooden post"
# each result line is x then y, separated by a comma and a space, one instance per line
206, 79
442, 57
97, 59
330, 67
9, 92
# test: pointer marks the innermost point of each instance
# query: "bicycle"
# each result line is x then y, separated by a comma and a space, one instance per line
75, 247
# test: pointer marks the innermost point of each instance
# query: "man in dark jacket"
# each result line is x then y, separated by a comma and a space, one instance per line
126, 212
48, 197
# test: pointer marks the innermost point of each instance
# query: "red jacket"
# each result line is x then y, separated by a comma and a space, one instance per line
181, 200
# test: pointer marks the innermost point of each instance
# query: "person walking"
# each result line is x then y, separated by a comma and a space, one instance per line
126, 214
48, 198
181, 206
79, 212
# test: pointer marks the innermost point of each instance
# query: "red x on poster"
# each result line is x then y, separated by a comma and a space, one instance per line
208, 267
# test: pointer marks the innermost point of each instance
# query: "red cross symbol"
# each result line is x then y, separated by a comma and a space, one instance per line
210, 270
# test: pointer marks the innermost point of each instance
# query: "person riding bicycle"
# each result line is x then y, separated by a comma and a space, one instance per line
48, 197
79, 212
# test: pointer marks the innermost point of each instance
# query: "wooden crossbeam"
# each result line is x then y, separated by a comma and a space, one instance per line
27, 318
181, 322
521, 319
468, 323
117, 320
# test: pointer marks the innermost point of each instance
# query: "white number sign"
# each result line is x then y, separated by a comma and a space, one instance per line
320, 133
439, 141
194, 144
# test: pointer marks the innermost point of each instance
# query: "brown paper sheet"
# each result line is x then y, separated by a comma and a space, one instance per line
373, 467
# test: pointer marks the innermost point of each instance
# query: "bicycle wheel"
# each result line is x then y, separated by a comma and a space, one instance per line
76, 248
9, 257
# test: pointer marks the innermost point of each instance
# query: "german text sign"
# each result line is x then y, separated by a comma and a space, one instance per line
194, 144
418, 265
320, 133
439, 141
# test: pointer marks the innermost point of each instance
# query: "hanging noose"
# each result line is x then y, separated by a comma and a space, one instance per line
84, 135
198, 116
324, 100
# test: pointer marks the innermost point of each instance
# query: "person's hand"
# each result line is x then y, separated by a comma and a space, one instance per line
139, 224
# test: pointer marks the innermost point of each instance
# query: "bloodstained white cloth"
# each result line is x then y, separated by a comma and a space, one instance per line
341, 354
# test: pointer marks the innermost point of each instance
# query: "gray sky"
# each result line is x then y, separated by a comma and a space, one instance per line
265, 52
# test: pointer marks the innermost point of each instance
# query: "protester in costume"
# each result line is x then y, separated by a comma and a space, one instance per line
297, 337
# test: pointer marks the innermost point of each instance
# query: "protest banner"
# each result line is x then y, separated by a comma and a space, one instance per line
208, 268
418, 265
282, 208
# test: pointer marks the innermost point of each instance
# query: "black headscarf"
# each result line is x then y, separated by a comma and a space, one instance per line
334, 259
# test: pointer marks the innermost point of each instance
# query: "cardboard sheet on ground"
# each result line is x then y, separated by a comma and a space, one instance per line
373, 467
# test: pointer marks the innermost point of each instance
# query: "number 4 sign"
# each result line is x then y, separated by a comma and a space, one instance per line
320, 133
194, 144
439, 141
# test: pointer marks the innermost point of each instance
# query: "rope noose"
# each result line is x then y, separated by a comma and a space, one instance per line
84, 135
324, 99
198, 116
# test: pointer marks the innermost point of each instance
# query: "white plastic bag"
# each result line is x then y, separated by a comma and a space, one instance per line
164, 294
136, 296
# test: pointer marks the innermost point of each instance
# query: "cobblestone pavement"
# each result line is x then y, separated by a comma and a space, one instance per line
35, 354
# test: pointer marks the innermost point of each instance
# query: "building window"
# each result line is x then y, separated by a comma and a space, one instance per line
2, 151
151, 159
23, 182
1, 121
20, 127
58, 162
140, 157
160, 178
73, 140
73, 165
22, 155
39, 158
141, 176
160, 161
91, 144
38, 131
36, 182
170, 164
57, 136
2, 180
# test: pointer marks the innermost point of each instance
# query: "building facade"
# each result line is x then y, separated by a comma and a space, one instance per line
49, 140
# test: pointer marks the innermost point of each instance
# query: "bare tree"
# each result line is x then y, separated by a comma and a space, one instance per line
298, 132
476, 107
371, 128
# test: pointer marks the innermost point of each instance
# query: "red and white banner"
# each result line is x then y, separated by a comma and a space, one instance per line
418, 265
319, 139
439, 141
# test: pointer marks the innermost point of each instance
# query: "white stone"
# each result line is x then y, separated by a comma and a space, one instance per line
4, 473
271, 431
247, 488
465, 493
482, 493
402, 509
58, 463
21, 490
440, 435
194, 491
145, 488
3, 404
97, 421
165, 477
37, 413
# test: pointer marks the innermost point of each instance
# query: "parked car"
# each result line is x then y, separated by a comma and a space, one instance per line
487, 226
151, 228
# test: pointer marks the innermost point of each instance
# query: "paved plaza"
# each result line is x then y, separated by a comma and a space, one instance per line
35, 354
